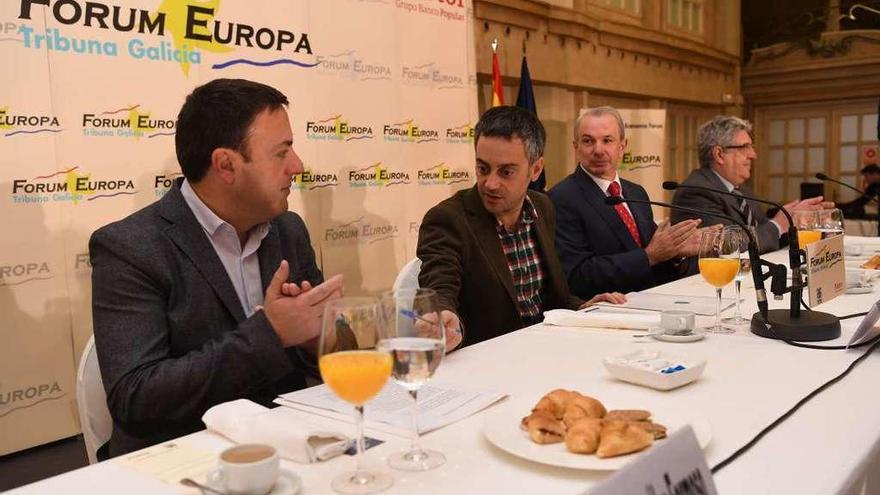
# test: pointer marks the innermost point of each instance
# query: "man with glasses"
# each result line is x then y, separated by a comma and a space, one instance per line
726, 153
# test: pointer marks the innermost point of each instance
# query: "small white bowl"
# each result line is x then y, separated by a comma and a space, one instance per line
644, 368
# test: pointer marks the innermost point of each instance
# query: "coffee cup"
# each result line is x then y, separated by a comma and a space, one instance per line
855, 277
247, 469
677, 321
853, 249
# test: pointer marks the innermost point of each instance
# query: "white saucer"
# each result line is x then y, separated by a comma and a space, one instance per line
289, 483
860, 289
691, 337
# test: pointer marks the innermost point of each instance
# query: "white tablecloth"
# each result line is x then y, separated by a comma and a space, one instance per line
827, 447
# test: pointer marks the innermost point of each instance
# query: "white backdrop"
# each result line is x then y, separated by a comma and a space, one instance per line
383, 100
642, 161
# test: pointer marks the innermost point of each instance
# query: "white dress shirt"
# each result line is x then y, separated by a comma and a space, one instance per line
604, 183
242, 263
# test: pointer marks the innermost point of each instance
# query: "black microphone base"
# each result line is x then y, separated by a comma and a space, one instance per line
810, 326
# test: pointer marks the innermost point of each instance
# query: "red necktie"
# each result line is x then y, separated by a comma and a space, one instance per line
625, 215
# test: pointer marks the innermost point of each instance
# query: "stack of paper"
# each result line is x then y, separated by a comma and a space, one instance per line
439, 405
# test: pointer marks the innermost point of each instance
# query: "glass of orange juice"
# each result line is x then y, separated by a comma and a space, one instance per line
807, 224
719, 264
355, 370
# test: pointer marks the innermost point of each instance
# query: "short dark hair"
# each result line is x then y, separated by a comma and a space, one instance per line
218, 115
870, 169
509, 122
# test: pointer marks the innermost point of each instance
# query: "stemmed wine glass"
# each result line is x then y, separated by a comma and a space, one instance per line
355, 370
830, 222
745, 266
807, 224
417, 343
719, 264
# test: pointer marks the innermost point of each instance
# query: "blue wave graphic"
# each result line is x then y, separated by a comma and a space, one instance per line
109, 195
322, 185
13, 133
160, 134
382, 238
427, 140
359, 137
262, 64
30, 405
4, 284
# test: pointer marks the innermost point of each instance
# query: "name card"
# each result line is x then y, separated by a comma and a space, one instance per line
675, 465
826, 269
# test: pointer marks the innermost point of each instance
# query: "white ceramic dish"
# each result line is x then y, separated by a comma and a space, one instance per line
659, 334
860, 289
640, 368
289, 483
502, 430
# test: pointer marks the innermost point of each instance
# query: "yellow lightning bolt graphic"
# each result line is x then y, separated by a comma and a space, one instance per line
175, 20
70, 178
5, 126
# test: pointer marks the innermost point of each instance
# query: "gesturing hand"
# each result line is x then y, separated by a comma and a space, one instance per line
295, 311
668, 239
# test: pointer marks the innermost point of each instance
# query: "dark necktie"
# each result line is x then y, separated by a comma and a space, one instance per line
744, 207
625, 215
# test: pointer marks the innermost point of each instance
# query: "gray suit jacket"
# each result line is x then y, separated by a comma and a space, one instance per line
171, 336
768, 234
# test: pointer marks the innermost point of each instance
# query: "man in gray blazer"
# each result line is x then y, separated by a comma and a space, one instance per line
211, 293
726, 155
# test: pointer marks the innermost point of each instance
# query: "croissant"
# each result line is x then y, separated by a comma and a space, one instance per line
628, 415
655, 429
543, 429
620, 437
582, 436
555, 402
582, 406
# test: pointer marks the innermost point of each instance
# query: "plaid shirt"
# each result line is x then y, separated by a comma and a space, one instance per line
524, 262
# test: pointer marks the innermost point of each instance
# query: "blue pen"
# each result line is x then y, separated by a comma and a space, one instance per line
412, 315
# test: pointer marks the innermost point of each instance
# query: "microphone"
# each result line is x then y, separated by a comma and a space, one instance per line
825, 178
754, 257
794, 254
812, 326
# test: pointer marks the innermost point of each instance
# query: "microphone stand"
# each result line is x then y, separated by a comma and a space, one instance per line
811, 326
754, 258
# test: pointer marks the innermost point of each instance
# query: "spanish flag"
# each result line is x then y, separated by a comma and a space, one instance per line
497, 88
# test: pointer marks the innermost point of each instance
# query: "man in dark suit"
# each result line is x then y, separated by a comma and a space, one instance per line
871, 185
488, 251
726, 154
606, 248
211, 293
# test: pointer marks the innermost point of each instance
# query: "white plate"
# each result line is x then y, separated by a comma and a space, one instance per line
691, 337
502, 430
860, 290
289, 483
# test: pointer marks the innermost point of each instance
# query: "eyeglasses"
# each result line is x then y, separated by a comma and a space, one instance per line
744, 146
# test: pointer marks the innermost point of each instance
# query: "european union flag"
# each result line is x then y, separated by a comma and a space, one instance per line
526, 99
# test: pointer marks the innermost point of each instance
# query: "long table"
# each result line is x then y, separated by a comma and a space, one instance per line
831, 445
